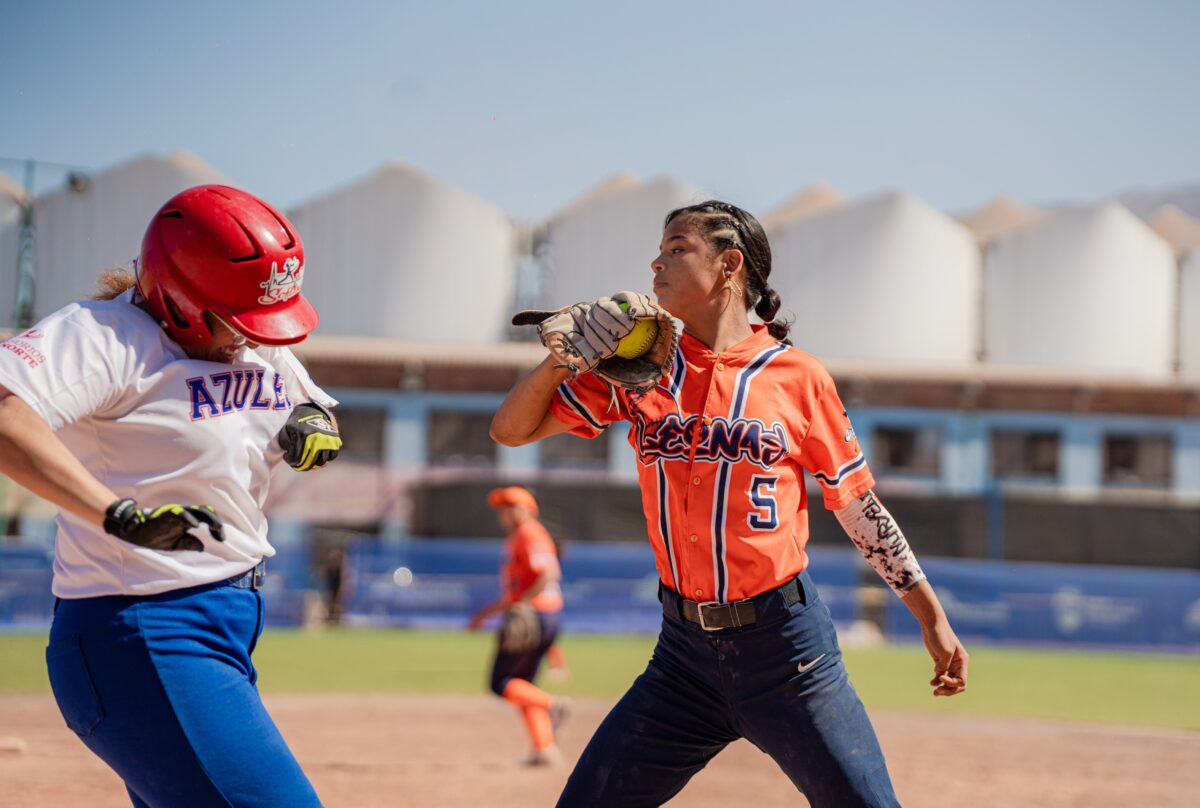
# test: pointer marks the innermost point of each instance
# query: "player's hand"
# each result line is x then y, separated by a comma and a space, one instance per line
950, 659
167, 527
309, 439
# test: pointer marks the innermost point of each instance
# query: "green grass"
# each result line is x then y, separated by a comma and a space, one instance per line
1111, 688
23, 663
1134, 689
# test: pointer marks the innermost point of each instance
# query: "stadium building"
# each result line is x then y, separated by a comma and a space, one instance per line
1025, 383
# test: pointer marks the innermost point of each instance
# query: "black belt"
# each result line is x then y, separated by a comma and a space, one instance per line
714, 616
250, 579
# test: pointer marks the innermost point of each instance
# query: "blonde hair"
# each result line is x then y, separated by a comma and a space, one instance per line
113, 282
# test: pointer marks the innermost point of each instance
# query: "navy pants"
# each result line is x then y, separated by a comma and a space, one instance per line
779, 683
162, 689
524, 665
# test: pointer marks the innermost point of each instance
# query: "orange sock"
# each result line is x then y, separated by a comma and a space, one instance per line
537, 721
526, 694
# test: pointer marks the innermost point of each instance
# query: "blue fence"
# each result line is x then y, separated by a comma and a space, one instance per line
606, 587
26, 603
288, 585
613, 588
1062, 604
25, 599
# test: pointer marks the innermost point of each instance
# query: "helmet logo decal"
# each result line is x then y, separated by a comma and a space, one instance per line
284, 284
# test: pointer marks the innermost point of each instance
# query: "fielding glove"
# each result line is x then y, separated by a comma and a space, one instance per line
582, 335
643, 372
166, 527
521, 630
309, 439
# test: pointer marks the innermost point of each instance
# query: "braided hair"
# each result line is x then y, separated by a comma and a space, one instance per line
728, 227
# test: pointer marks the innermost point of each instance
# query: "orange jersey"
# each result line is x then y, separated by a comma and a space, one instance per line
721, 445
529, 552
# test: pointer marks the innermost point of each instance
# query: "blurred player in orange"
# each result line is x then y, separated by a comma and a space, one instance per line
747, 648
556, 658
531, 602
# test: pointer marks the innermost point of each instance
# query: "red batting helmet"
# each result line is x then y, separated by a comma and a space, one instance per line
215, 248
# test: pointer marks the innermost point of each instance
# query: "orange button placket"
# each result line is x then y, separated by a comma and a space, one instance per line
705, 419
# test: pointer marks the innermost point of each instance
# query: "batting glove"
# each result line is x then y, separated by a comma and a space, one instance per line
167, 527
309, 439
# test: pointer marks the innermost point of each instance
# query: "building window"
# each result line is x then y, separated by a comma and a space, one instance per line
362, 430
908, 450
568, 451
459, 438
1137, 460
1029, 455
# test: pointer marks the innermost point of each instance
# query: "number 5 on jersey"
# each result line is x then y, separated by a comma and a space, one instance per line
762, 497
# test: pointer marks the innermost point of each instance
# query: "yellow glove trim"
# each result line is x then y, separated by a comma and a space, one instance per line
314, 444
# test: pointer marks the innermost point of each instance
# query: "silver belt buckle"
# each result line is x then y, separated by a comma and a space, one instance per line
700, 614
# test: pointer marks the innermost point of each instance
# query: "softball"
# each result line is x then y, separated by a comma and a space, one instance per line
639, 340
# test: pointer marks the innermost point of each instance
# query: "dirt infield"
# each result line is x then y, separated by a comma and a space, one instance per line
435, 751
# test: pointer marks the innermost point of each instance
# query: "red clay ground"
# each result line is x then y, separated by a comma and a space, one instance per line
436, 751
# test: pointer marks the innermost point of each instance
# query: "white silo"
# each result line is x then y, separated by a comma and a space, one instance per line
1090, 288
1189, 316
391, 254
86, 227
604, 241
886, 278
1001, 216
1176, 227
817, 198
10, 228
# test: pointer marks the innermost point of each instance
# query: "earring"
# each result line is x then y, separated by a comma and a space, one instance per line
734, 285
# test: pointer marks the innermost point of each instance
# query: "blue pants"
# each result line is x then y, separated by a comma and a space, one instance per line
162, 689
703, 690
524, 665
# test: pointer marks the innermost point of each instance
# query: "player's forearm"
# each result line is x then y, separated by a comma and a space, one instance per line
524, 416
923, 602
878, 537
495, 607
33, 457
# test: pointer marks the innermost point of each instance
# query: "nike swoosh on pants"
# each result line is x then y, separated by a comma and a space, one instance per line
806, 668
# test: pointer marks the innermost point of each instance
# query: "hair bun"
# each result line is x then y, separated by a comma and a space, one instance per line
768, 305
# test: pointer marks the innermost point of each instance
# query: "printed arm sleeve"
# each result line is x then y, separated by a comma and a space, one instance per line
875, 532
830, 451
588, 405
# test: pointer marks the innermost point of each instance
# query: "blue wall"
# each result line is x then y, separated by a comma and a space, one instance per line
606, 587
1062, 605
613, 587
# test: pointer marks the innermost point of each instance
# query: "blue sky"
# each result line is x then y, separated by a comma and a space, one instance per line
530, 104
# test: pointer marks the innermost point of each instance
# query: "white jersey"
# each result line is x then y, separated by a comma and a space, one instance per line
154, 425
